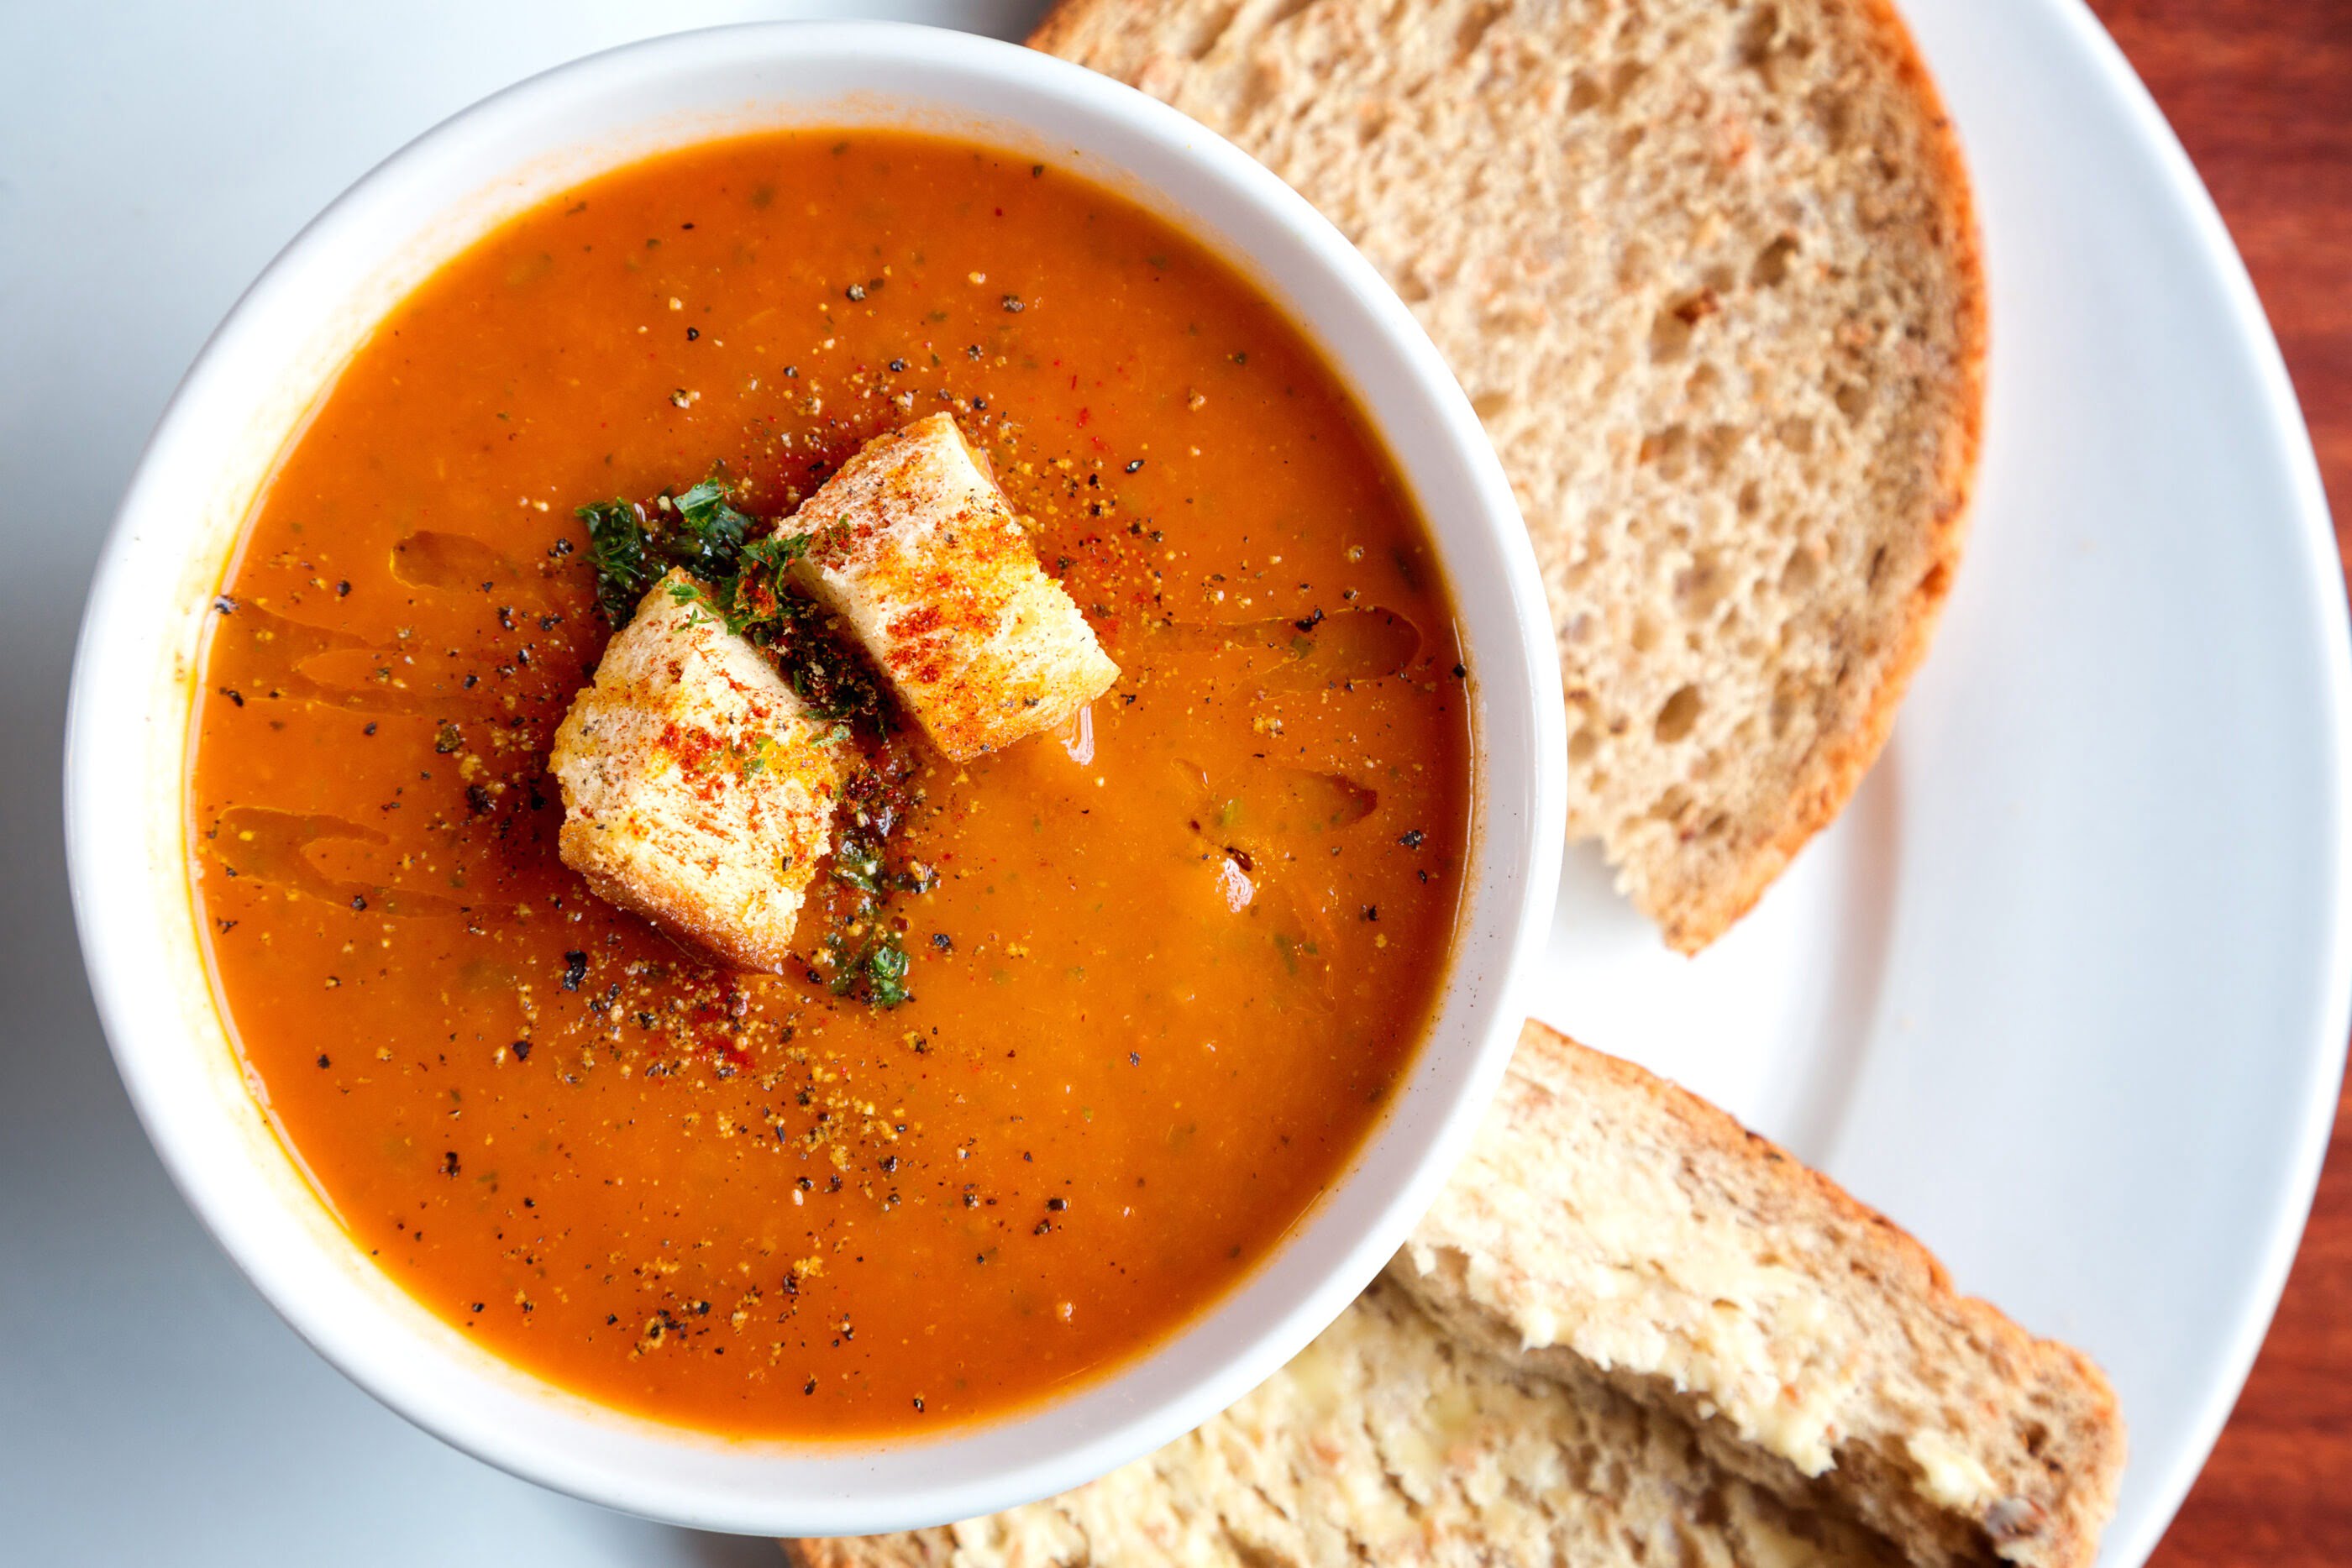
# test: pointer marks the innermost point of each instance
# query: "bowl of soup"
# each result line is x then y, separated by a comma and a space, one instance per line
1075, 1063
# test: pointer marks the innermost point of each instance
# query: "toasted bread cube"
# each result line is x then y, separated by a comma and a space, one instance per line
697, 789
918, 552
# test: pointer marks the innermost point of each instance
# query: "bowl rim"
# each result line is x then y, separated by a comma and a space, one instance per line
97, 743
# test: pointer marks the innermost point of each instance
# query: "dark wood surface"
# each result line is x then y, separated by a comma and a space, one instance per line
2261, 93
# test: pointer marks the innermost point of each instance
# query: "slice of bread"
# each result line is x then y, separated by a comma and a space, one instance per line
1573, 1361
1606, 1220
1707, 270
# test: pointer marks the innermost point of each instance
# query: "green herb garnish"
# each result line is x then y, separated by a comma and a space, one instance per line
857, 862
886, 973
698, 532
744, 582
714, 532
776, 553
617, 544
874, 972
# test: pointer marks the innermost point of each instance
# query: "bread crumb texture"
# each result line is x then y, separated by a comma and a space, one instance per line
1630, 1334
1707, 271
918, 551
697, 789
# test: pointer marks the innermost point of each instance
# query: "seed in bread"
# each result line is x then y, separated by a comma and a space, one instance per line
915, 548
698, 789
1707, 271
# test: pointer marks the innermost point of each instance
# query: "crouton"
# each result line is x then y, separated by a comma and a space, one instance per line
916, 550
697, 789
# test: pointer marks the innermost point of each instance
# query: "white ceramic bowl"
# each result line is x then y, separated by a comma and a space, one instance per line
129, 732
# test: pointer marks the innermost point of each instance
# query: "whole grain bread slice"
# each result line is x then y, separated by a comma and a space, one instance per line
1629, 1333
1608, 1222
1707, 270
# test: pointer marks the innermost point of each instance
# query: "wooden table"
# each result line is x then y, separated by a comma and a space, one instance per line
2261, 93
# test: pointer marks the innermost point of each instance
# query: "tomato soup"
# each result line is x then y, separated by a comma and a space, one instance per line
1161, 969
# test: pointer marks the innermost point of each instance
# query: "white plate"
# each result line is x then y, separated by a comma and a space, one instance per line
2065, 992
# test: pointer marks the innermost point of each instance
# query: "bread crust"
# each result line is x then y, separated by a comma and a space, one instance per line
1059, 34
933, 1548
1837, 769
1699, 826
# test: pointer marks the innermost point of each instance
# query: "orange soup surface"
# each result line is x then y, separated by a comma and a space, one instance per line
1164, 969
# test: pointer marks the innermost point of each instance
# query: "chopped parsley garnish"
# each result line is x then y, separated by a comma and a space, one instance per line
857, 861
713, 532
617, 544
866, 945
874, 971
886, 973
742, 581
633, 548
